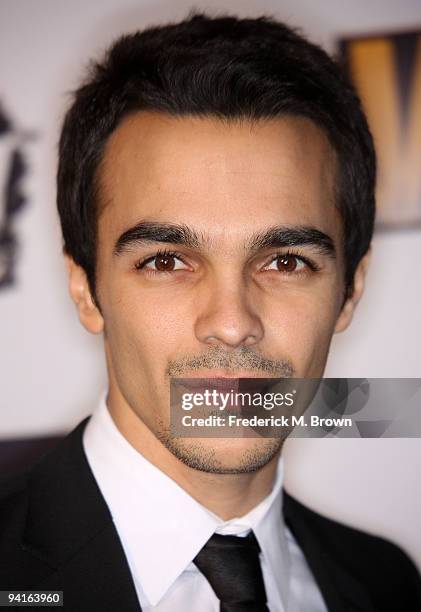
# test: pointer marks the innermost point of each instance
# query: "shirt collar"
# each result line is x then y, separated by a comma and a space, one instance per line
150, 512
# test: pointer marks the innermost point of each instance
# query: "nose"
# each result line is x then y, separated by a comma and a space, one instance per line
227, 318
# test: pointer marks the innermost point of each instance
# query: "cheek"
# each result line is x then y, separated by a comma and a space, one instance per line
301, 326
143, 329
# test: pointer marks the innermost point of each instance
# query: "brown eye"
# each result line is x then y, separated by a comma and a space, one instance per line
162, 262
287, 264
165, 263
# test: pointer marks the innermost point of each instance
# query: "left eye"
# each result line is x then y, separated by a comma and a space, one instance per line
163, 263
286, 263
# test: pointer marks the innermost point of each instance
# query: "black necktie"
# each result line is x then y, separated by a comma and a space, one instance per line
232, 567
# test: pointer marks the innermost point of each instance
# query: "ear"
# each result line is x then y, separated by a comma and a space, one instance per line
347, 311
89, 314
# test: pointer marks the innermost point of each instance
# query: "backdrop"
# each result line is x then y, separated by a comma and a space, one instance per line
52, 372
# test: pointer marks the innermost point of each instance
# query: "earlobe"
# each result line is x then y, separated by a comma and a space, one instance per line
79, 290
348, 309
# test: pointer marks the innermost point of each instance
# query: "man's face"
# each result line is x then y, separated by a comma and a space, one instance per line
219, 254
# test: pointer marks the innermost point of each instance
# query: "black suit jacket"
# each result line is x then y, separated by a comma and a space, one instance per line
56, 533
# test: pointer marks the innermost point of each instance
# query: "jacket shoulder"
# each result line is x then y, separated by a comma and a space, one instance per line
13, 496
13, 510
30, 506
381, 565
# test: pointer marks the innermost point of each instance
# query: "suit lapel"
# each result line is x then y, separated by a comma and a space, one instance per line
70, 532
341, 591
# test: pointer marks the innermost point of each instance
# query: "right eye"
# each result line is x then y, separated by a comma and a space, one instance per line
162, 262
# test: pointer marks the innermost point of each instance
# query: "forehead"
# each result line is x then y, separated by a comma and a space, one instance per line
218, 176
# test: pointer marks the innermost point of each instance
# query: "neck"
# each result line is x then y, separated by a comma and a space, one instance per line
226, 495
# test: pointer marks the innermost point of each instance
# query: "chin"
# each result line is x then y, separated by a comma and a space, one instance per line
224, 455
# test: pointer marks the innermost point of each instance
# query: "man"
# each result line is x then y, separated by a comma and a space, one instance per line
216, 194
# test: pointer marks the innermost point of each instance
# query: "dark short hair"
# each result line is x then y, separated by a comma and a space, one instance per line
224, 67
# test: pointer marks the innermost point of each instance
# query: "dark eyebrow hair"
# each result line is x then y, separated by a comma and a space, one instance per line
149, 231
146, 232
284, 236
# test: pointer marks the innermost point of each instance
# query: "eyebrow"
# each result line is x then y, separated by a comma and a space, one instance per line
149, 232
284, 236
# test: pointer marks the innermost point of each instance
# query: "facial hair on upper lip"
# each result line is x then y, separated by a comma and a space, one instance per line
216, 358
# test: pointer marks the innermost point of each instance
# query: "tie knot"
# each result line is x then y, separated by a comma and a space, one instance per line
230, 544
231, 565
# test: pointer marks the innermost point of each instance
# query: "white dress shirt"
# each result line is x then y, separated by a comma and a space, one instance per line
162, 528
